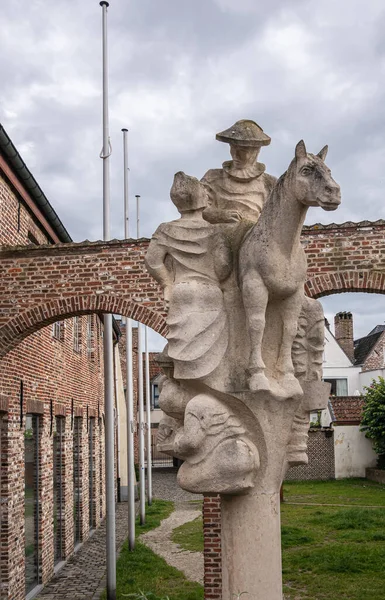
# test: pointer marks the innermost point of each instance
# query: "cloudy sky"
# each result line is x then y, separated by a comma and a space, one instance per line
179, 72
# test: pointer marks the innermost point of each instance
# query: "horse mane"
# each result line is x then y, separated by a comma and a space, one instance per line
275, 193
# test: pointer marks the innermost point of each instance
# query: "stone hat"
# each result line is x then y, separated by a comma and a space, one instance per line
244, 133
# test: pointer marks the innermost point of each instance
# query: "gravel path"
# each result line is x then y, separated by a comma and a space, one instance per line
159, 540
165, 486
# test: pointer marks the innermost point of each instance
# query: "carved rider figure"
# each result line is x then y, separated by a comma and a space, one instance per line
239, 190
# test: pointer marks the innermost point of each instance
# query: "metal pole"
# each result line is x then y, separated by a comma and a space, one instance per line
107, 342
130, 439
148, 408
142, 484
137, 215
125, 184
129, 381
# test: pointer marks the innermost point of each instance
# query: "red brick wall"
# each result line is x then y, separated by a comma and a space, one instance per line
345, 258
343, 328
41, 284
51, 371
212, 547
15, 220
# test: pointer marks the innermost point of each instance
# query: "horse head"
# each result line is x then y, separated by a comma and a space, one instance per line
312, 180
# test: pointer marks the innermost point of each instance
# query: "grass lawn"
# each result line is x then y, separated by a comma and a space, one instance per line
144, 571
329, 552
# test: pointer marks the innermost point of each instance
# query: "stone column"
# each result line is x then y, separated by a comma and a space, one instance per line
251, 546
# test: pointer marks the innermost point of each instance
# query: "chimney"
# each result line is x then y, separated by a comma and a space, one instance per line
343, 327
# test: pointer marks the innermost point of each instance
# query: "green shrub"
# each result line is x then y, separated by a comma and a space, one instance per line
373, 420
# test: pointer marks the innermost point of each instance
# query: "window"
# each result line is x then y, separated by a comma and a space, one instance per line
58, 330
33, 239
77, 478
32, 505
77, 334
90, 337
155, 395
101, 467
339, 387
3, 499
91, 471
58, 489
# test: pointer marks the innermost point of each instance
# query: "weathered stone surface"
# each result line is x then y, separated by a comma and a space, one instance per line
244, 354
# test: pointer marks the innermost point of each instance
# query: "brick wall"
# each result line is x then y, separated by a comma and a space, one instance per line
51, 371
345, 258
211, 513
39, 284
321, 458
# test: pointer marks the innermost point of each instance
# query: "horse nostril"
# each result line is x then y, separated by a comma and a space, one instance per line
332, 190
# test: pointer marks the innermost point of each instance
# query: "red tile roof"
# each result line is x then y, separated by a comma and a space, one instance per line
346, 410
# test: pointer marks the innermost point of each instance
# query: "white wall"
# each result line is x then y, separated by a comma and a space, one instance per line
156, 415
353, 452
337, 364
367, 376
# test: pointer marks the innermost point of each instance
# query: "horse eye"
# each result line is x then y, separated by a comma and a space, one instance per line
306, 171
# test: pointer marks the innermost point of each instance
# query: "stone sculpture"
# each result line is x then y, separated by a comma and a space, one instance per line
239, 190
243, 363
219, 454
272, 266
190, 259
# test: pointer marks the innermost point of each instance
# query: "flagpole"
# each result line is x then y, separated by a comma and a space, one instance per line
148, 410
142, 483
142, 480
129, 376
107, 342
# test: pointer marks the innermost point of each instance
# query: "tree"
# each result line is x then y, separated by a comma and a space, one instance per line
373, 420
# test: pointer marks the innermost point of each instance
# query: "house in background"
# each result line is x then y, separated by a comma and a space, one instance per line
349, 366
339, 368
369, 354
353, 452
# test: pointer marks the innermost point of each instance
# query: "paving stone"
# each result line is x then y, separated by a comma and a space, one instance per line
83, 577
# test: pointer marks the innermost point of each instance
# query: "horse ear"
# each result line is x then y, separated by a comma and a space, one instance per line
322, 153
300, 150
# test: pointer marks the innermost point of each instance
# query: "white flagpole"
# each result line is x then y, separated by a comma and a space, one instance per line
107, 342
137, 196
142, 483
129, 377
148, 410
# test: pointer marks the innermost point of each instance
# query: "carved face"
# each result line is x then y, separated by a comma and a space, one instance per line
314, 183
243, 156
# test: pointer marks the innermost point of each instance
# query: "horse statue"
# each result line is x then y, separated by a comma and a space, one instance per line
272, 268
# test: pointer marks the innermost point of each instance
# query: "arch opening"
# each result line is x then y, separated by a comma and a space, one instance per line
38, 317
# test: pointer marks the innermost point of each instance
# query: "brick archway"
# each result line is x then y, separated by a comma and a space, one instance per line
345, 281
42, 284
42, 315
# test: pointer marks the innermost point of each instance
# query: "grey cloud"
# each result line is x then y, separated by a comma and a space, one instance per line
179, 72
